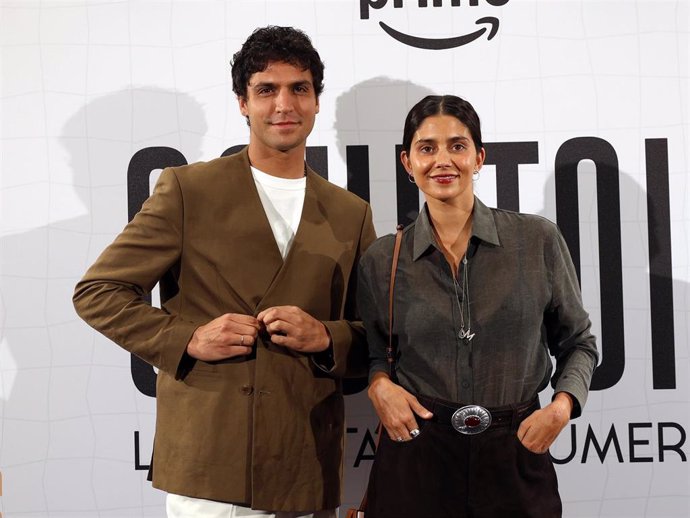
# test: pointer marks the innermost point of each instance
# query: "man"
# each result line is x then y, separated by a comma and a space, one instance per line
256, 256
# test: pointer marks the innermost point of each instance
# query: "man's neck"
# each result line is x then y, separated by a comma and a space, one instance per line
282, 164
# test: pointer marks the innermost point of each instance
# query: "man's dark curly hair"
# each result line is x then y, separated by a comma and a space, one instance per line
273, 43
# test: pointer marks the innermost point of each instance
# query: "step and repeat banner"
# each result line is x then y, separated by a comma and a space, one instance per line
585, 115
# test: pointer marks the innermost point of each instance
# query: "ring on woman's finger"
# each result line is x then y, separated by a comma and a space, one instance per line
414, 432
399, 439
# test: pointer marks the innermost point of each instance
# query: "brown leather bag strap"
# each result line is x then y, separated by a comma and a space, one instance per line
390, 353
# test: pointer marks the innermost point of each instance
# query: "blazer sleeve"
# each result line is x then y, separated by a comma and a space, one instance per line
110, 296
350, 355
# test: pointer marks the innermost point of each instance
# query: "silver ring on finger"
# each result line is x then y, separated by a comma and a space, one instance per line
400, 439
241, 339
414, 432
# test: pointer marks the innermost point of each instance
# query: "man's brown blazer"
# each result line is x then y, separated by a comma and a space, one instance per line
264, 431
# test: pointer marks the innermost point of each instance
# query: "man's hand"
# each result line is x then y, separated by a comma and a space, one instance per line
227, 336
538, 431
396, 407
295, 329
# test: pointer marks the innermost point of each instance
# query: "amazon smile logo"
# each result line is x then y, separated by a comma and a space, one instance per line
487, 24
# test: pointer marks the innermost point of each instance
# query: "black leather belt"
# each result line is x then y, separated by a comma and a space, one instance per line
474, 419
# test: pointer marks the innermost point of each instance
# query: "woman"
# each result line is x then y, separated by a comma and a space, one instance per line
483, 297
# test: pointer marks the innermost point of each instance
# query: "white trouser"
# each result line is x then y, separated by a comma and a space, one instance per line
178, 506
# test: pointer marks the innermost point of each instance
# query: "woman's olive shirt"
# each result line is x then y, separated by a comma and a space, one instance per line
524, 305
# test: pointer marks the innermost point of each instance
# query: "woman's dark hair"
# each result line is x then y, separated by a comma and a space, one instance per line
273, 43
442, 105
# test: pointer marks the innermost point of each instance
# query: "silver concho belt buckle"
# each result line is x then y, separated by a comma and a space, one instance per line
471, 419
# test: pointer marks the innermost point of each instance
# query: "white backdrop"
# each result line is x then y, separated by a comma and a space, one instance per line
86, 84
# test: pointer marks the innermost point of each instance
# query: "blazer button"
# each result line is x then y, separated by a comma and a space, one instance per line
247, 390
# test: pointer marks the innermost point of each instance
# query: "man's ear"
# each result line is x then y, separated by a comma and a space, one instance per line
242, 101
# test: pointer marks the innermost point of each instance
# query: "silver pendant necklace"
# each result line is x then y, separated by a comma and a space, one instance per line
465, 333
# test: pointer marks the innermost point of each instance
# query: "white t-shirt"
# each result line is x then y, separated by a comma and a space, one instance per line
283, 200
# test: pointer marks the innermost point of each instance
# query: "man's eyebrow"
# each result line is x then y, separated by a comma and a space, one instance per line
262, 84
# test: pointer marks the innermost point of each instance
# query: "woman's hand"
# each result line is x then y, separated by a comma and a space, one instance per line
538, 431
396, 408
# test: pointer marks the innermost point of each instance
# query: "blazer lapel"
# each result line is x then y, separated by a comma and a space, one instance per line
311, 235
253, 258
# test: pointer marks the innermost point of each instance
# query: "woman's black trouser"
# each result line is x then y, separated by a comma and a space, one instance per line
442, 473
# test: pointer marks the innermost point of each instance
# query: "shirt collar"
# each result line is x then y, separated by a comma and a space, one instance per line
483, 229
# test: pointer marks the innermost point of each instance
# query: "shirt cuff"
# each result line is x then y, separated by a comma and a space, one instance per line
325, 360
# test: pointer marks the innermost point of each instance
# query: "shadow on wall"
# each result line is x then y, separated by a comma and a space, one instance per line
620, 239
369, 122
75, 401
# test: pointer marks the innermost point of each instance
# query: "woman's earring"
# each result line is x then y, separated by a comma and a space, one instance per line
475, 175
410, 178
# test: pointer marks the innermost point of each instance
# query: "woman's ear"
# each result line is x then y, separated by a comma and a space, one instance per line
481, 155
405, 160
